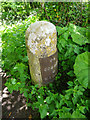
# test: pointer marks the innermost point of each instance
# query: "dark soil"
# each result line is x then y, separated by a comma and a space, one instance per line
14, 105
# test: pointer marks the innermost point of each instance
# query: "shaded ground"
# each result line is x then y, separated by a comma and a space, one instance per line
14, 105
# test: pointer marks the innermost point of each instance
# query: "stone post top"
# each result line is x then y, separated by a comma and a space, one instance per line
41, 38
42, 27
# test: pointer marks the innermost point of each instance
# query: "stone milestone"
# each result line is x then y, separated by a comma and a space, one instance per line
41, 41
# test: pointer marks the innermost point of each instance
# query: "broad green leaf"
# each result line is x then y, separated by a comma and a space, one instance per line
82, 31
81, 68
79, 38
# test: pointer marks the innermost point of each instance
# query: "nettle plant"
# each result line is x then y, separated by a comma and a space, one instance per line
52, 101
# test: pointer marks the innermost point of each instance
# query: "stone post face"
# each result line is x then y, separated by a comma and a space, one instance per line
41, 40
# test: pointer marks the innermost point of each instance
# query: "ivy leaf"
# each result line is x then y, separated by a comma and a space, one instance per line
81, 68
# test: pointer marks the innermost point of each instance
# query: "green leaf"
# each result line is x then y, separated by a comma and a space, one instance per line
61, 30
51, 107
61, 102
72, 27
63, 42
69, 91
13, 81
59, 47
43, 110
70, 73
41, 91
79, 93
57, 104
69, 104
29, 104
81, 68
70, 83
40, 99
69, 51
82, 108
64, 115
65, 109
76, 49
77, 114
67, 96
25, 94
79, 38
66, 35
74, 99
48, 100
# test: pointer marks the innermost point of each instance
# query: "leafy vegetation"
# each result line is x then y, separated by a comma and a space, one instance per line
59, 13
67, 96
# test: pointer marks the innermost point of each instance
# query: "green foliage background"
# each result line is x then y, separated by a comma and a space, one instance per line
67, 96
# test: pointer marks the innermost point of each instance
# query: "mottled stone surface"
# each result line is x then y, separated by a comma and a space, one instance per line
41, 40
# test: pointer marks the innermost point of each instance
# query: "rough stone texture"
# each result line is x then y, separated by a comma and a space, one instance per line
41, 40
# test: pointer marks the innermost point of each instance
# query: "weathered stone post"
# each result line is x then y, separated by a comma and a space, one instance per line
41, 40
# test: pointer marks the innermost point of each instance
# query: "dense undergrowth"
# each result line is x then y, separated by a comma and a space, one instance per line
67, 96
